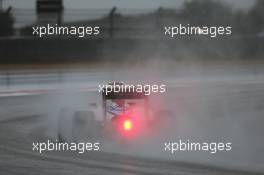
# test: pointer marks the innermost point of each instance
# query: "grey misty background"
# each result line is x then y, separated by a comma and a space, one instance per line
219, 100
134, 32
121, 3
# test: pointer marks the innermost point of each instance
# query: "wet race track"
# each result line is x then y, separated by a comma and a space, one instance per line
228, 108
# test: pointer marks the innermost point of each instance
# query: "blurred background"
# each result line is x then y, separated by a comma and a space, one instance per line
215, 86
131, 32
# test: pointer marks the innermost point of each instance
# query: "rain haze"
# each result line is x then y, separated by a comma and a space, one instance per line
122, 4
136, 87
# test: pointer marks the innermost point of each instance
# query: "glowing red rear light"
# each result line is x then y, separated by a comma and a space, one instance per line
127, 125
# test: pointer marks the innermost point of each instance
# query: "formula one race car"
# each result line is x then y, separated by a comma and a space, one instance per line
126, 116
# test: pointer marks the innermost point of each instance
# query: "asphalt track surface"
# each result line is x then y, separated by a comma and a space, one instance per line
23, 121
18, 158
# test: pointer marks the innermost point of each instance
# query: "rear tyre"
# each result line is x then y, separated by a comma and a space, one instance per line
64, 125
164, 120
84, 126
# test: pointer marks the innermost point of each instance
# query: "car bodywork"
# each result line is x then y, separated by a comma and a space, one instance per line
125, 116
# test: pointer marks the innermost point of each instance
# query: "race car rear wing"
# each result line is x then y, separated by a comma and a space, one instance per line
125, 95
